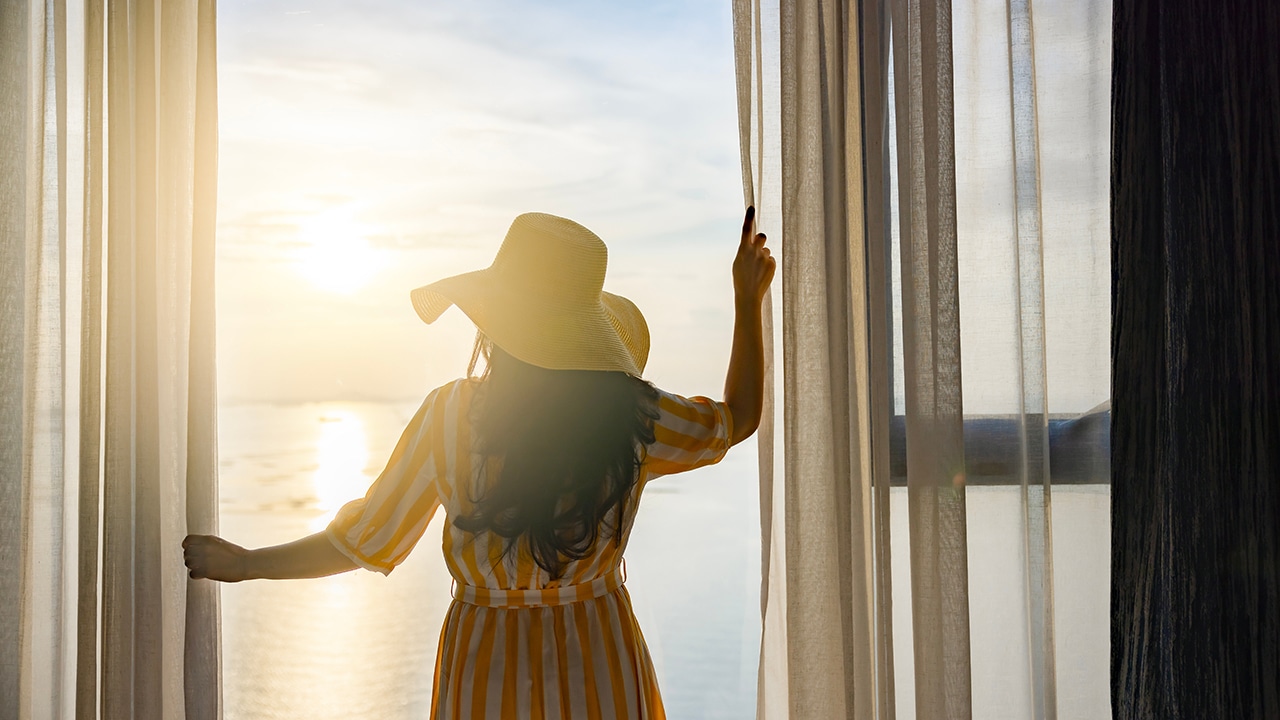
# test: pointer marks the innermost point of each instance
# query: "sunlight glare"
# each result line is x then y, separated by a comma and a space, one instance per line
336, 254
342, 452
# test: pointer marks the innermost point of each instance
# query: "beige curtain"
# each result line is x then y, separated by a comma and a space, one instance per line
826, 645
107, 455
937, 179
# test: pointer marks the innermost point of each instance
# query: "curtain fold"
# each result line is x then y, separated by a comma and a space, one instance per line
1033, 401
931, 350
203, 642
1030, 87
873, 47
31, 362
824, 363
89, 501
107, 403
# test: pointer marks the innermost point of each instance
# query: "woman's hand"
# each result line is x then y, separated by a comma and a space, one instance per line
208, 556
753, 267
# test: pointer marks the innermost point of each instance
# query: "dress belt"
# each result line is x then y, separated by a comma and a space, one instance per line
549, 597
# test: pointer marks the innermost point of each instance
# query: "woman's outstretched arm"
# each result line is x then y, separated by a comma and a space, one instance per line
753, 270
208, 556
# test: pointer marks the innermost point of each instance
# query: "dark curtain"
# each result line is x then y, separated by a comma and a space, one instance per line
1195, 191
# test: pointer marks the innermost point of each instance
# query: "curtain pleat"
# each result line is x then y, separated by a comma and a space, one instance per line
152, 605
999, 221
14, 60
16, 51
931, 351
203, 643
107, 451
49, 629
822, 428
1031, 141
31, 407
16, 131
1033, 407
89, 506
873, 48
119, 460
61, 422
744, 84
758, 67
801, 136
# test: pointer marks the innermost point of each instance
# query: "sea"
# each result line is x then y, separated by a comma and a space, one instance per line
360, 645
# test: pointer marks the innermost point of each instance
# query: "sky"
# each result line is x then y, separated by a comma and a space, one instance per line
370, 147
367, 148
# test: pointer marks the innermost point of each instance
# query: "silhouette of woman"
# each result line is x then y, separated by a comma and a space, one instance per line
539, 464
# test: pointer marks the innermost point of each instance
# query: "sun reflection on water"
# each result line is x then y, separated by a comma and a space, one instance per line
342, 454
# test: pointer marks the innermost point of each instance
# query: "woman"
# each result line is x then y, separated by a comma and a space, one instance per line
539, 464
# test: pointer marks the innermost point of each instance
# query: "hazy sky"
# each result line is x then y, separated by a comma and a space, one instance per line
367, 148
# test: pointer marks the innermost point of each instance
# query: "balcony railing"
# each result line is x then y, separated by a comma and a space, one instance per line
1079, 448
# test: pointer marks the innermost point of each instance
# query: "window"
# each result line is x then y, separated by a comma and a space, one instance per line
367, 151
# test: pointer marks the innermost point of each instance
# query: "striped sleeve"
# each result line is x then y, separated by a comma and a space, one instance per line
689, 433
378, 530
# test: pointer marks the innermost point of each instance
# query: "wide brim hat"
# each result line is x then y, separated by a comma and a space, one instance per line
542, 300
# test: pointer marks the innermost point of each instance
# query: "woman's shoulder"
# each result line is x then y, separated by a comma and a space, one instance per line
451, 397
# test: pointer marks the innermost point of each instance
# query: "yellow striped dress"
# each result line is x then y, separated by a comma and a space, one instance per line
515, 643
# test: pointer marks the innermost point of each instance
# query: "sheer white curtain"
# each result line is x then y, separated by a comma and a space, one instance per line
937, 177
107, 455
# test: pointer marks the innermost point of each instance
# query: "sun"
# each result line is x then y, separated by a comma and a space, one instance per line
336, 254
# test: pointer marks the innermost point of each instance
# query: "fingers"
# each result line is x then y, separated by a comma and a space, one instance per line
754, 265
750, 237
194, 549
196, 567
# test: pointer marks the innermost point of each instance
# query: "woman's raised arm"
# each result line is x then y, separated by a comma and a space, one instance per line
753, 270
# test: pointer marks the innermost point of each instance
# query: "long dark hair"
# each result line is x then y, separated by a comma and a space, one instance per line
571, 444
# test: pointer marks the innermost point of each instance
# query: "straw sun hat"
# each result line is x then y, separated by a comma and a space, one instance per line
542, 300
